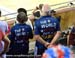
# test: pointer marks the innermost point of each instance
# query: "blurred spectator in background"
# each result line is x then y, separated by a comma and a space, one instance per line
25, 11
71, 36
3, 19
53, 13
46, 30
37, 11
20, 35
4, 41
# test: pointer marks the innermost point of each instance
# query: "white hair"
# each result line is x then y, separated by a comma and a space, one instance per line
46, 10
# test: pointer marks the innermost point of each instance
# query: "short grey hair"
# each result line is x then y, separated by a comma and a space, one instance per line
46, 10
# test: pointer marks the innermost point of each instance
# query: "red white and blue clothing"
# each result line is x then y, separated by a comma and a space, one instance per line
58, 51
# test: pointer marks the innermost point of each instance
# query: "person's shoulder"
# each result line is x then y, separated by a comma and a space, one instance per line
27, 26
3, 23
14, 26
54, 19
37, 20
40, 18
50, 17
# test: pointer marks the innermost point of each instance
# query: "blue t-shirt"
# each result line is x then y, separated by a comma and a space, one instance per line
20, 34
46, 27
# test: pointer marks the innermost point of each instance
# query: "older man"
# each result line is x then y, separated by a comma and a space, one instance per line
46, 30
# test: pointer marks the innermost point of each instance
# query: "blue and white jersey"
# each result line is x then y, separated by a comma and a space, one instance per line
46, 27
20, 34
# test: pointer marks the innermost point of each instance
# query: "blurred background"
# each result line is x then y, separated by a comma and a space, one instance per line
11, 6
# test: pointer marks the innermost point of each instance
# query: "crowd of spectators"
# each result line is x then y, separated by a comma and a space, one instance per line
43, 25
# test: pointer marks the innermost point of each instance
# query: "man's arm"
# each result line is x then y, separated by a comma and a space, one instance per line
6, 44
57, 35
38, 38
